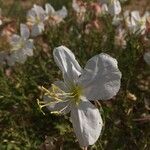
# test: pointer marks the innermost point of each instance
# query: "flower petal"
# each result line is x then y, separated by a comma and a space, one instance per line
29, 47
37, 29
24, 31
20, 56
147, 57
87, 122
138, 23
67, 63
61, 85
135, 16
17, 56
62, 12
101, 77
61, 107
78, 7
14, 39
31, 16
39, 12
114, 7
49, 9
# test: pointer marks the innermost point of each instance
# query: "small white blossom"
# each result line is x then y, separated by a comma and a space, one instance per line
22, 46
100, 79
113, 6
104, 8
55, 17
78, 6
120, 38
147, 57
135, 22
36, 17
80, 9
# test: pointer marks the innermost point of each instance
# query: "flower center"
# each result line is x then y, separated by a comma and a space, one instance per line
76, 92
19, 45
37, 20
141, 22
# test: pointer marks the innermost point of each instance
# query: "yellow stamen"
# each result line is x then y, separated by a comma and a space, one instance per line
57, 95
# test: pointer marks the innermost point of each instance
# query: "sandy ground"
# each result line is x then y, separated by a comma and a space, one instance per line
141, 5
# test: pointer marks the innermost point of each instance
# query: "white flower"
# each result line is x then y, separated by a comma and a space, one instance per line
104, 8
113, 6
135, 22
120, 38
36, 17
80, 9
147, 57
100, 79
22, 46
55, 17
78, 6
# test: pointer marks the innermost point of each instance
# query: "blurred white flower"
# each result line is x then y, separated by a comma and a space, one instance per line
1, 17
100, 79
120, 38
80, 8
104, 8
113, 6
117, 20
21, 46
135, 22
147, 57
36, 17
55, 17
